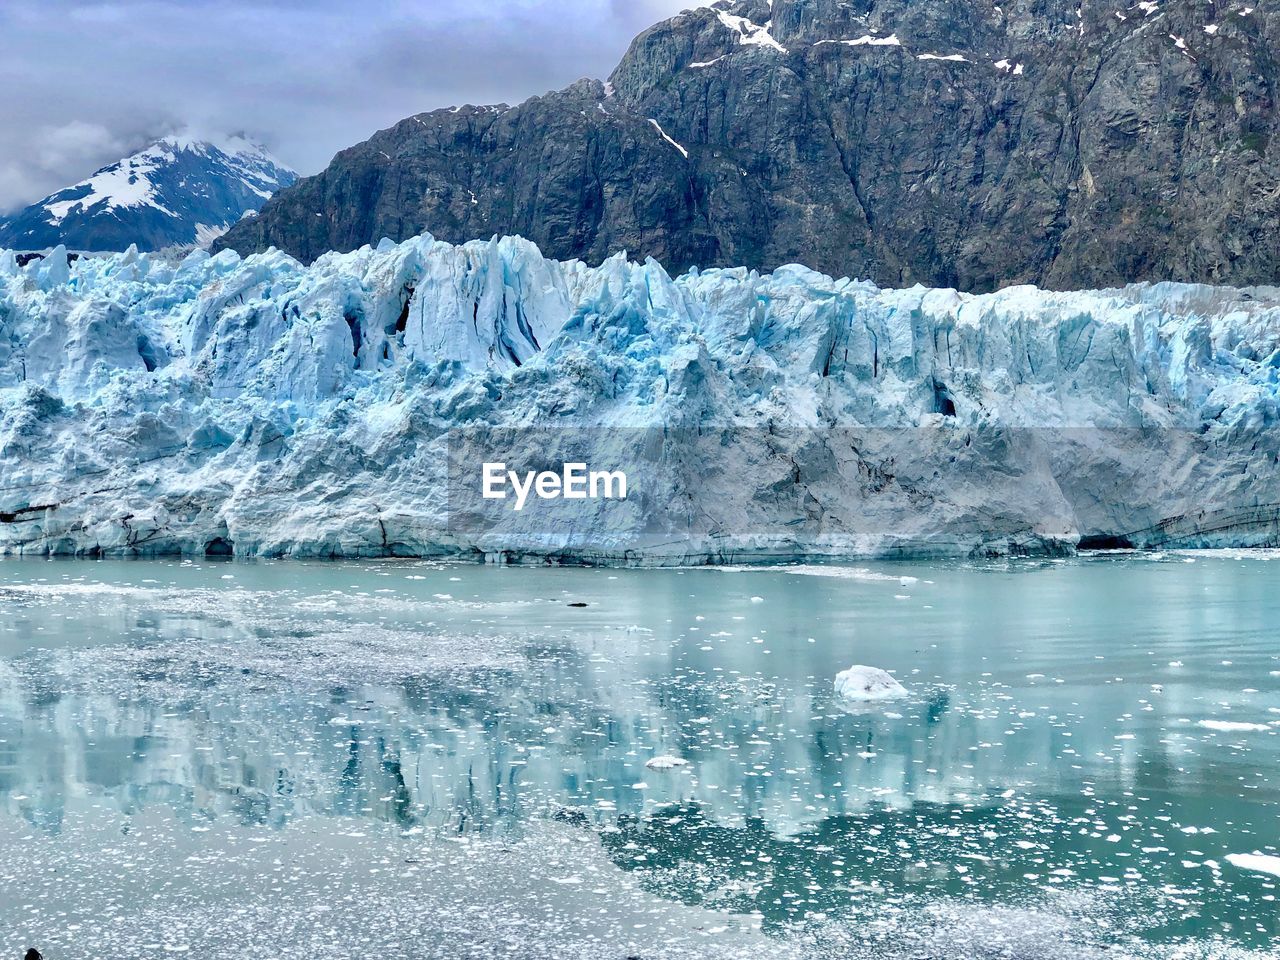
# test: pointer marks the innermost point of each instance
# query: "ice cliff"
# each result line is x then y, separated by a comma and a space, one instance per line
265, 408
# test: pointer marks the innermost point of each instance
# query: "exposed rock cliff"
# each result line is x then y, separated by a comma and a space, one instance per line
965, 143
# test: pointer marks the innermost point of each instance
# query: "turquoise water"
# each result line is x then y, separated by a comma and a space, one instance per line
423, 759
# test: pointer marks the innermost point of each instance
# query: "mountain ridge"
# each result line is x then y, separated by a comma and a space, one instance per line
966, 144
180, 190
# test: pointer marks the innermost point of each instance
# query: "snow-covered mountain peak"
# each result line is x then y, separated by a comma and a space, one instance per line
233, 145
179, 190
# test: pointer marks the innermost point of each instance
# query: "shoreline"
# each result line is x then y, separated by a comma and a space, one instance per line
728, 563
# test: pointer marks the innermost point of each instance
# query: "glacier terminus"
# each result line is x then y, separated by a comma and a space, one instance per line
259, 407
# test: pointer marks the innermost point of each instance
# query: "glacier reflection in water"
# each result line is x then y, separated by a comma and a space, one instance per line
1094, 739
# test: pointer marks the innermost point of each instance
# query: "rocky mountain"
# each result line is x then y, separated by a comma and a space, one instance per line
178, 191
965, 143
259, 407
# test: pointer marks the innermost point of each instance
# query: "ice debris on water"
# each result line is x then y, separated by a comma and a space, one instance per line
1233, 726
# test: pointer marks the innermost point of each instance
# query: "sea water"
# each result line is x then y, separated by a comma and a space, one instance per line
414, 759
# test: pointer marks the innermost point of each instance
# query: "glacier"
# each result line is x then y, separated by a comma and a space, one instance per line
259, 408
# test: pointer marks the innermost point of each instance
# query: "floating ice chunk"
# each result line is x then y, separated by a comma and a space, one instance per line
868, 684
824, 570
1232, 726
665, 762
757, 599
1259, 862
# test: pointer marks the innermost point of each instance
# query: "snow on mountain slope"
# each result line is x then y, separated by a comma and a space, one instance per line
345, 409
180, 190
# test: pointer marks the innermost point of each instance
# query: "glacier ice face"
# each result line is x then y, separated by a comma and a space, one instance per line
267, 408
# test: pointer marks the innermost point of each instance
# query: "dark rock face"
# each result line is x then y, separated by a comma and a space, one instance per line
963, 143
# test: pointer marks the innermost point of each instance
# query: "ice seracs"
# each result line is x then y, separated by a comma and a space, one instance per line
258, 407
868, 685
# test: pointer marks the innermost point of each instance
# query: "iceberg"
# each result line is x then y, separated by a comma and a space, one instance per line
868, 685
1259, 862
256, 407
665, 762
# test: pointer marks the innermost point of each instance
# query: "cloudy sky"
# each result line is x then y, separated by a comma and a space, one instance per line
87, 82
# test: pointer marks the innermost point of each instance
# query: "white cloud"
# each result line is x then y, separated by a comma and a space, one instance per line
308, 76
72, 142
49, 154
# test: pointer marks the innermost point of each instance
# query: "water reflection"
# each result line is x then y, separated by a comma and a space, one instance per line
446, 716
1015, 852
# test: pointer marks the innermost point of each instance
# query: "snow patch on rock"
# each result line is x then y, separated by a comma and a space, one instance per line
750, 33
